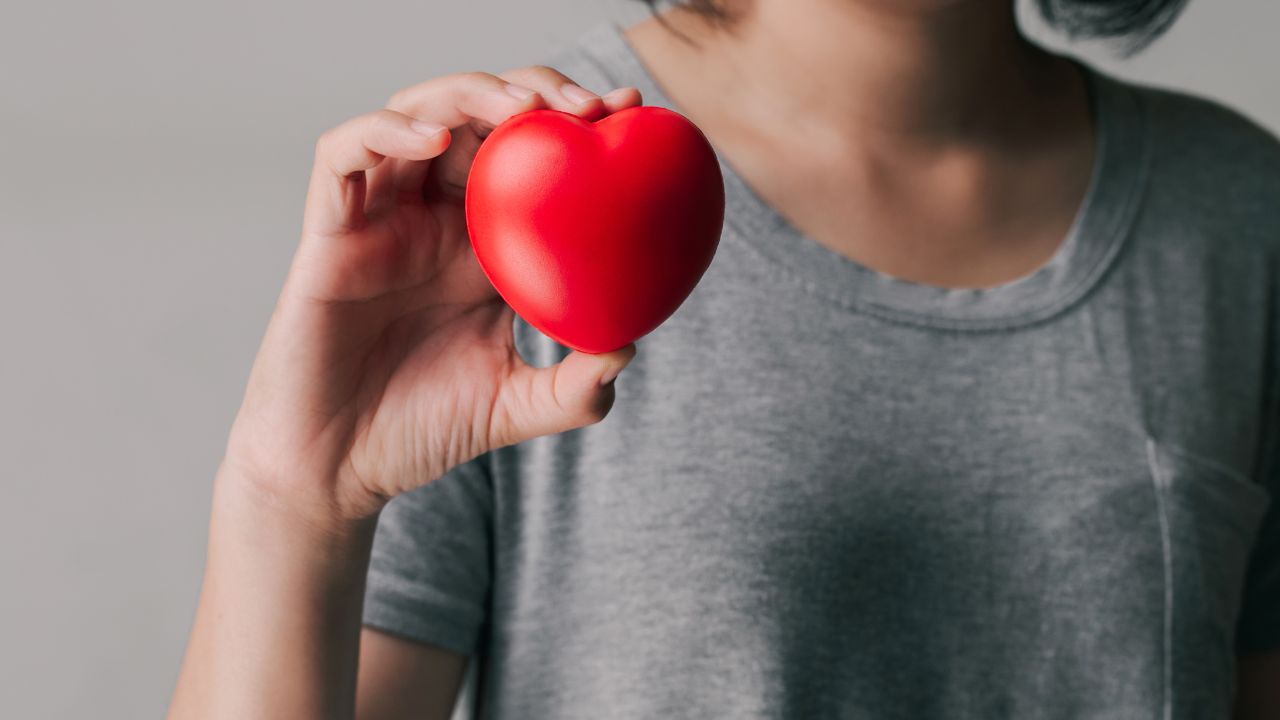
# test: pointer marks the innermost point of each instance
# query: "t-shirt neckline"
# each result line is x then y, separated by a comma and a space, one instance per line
1090, 247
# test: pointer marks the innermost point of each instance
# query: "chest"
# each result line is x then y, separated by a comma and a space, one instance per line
825, 483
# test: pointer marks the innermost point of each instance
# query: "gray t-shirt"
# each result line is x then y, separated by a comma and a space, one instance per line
825, 492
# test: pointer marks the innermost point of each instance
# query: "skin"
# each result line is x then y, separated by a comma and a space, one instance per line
389, 359
932, 124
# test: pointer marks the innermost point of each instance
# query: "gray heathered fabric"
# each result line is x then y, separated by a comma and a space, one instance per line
823, 492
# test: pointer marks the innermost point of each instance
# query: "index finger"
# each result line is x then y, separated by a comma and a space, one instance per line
475, 100
455, 100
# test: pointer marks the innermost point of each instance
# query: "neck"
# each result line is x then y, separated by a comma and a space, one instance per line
924, 138
876, 69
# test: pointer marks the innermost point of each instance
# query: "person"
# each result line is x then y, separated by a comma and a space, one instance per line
974, 414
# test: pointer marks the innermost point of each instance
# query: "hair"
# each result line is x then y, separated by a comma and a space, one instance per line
1130, 25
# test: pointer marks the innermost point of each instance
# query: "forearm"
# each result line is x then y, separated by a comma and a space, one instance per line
276, 633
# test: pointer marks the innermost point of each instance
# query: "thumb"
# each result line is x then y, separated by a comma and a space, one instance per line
574, 392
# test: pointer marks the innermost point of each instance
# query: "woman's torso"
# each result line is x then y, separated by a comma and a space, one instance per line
824, 492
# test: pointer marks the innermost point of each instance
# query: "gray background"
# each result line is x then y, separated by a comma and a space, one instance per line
154, 161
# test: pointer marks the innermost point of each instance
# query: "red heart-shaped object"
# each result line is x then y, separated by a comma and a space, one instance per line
595, 232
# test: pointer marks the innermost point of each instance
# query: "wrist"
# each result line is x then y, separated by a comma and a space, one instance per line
306, 486
278, 625
300, 515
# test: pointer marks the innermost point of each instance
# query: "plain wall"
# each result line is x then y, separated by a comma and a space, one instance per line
154, 161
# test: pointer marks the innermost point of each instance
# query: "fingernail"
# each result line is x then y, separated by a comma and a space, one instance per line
610, 376
627, 353
521, 93
576, 93
426, 128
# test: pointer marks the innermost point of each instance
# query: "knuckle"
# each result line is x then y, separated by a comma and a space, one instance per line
546, 71
398, 98
478, 77
325, 141
537, 74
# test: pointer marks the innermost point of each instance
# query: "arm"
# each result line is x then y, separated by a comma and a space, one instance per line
388, 360
1258, 687
318, 582
278, 623
401, 679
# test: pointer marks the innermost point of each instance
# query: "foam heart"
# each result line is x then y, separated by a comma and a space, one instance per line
595, 232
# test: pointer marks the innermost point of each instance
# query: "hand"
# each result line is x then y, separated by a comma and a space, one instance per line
389, 358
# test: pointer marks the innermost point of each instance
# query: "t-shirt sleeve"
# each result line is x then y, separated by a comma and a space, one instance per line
431, 568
